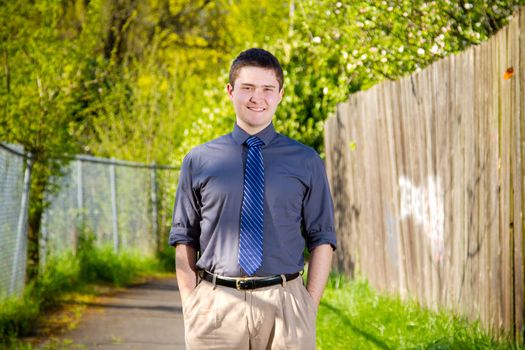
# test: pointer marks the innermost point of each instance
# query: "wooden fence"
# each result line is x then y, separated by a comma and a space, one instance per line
427, 175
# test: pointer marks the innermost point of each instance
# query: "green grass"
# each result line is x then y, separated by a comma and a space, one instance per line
353, 316
66, 274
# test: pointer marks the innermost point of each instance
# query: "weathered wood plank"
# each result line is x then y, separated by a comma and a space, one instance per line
495, 320
481, 80
355, 145
519, 218
470, 179
513, 63
390, 276
505, 181
422, 223
398, 146
441, 82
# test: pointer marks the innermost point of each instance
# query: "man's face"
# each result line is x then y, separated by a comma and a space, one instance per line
255, 96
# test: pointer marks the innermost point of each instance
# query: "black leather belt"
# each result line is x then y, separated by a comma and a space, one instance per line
243, 283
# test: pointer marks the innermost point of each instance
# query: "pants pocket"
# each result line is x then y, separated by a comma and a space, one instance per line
309, 300
200, 316
190, 297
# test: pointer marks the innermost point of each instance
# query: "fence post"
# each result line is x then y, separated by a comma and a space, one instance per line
112, 179
80, 198
43, 240
22, 222
154, 206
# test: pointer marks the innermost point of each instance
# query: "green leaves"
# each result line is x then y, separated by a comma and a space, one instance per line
145, 80
339, 47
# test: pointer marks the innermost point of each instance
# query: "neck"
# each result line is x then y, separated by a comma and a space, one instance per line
252, 130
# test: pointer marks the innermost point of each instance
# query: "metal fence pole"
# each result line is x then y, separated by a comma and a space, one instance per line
154, 206
43, 240
113, 184
80, 198
21, 233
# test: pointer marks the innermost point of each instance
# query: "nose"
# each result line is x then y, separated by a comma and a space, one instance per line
257, 95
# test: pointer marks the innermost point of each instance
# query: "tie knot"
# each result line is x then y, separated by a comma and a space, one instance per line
254, 141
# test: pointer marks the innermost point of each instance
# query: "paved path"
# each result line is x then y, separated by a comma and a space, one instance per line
144, 317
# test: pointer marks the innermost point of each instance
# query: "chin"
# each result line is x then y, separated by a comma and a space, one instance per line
257, 121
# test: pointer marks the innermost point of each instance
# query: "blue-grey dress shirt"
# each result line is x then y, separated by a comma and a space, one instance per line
298, 208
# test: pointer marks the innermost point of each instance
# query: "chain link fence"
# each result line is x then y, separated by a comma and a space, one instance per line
15, 170
117, 201
125, 204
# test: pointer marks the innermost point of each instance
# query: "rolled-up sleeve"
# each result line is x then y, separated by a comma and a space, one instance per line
185, 227
318, 209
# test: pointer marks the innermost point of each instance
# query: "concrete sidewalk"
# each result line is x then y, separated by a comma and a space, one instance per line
144, 317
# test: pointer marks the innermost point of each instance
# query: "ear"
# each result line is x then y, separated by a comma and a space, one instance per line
281, 94
229, 89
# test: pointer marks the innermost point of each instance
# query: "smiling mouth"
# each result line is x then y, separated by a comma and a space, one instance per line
256, 109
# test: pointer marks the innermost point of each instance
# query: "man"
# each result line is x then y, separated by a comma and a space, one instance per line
246, 204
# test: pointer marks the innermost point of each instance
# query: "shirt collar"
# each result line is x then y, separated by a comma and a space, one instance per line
266, 134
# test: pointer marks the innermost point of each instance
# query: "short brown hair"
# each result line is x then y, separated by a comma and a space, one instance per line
256, 58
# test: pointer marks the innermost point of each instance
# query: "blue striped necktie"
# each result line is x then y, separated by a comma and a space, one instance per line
252, 211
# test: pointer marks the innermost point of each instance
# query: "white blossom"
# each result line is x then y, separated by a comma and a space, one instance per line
316, 39
420, 51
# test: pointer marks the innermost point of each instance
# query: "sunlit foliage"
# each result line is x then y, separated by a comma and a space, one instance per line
145, 80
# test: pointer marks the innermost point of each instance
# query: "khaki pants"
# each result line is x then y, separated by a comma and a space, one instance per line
274, 317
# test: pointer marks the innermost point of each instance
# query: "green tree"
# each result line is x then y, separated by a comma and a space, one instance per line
172, 95
330, 49
121, 78
40, 98
339, 47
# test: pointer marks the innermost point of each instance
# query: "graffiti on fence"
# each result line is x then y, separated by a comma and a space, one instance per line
425, 205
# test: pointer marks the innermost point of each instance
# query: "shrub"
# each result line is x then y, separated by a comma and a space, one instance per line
68, 273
